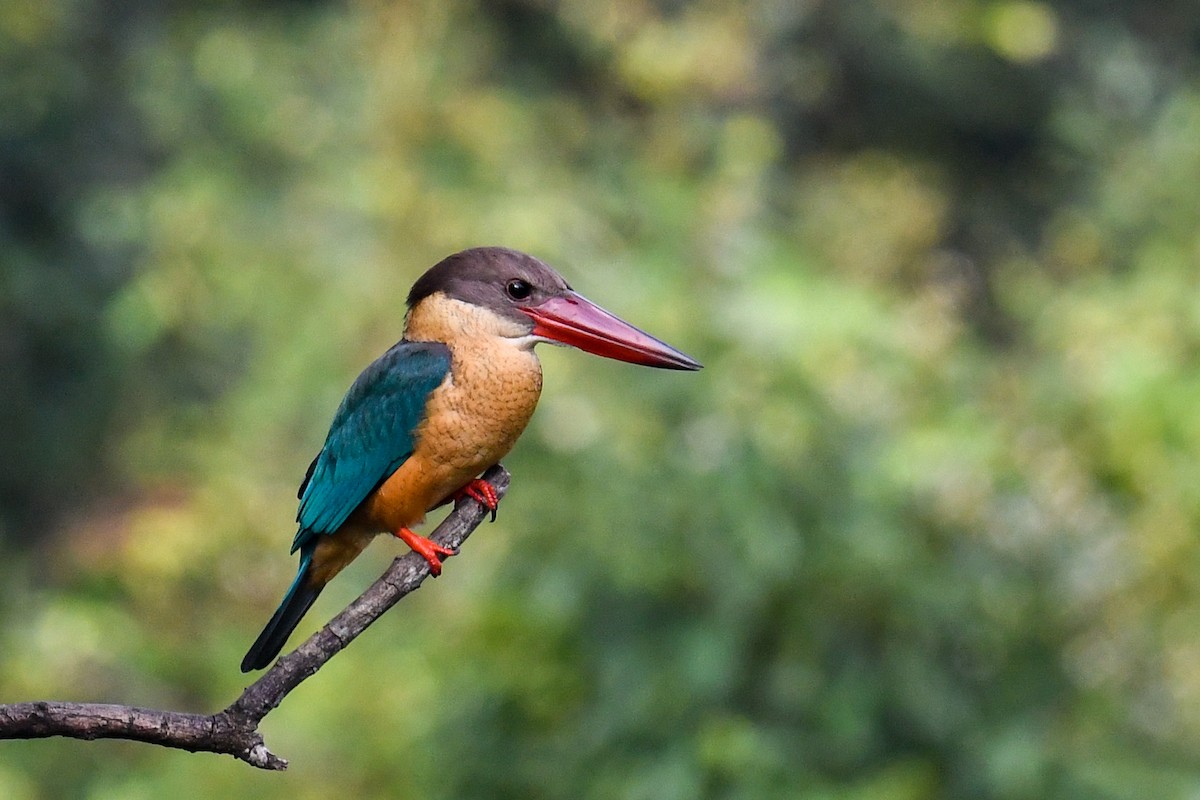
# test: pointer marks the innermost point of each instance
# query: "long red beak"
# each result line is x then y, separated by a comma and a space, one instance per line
572, 319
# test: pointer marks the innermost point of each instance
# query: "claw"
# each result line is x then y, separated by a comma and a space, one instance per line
481, 492
428, 549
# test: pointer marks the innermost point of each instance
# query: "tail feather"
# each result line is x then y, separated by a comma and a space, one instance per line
274, 636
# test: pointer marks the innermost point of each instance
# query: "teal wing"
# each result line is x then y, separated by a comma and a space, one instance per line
372, 434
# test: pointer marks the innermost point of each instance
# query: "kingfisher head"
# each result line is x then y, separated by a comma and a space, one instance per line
524, 299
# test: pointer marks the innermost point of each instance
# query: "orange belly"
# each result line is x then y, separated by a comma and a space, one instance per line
471, 422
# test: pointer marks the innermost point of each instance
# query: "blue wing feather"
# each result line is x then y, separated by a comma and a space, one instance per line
372, 434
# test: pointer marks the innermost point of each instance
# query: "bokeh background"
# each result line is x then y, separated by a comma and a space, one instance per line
925, 526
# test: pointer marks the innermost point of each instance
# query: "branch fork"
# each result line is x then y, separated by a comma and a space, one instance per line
234, 731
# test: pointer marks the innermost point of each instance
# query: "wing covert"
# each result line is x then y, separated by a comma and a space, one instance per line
371, 435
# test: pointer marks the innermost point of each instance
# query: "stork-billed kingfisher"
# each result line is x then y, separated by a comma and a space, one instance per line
449, 400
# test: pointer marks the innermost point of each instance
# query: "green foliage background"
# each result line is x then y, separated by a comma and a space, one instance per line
924, 527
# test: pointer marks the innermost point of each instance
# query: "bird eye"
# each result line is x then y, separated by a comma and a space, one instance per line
518, 289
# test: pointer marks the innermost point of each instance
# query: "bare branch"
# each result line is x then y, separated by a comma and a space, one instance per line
234, 731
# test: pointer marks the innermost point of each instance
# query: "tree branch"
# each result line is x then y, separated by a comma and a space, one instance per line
234, 731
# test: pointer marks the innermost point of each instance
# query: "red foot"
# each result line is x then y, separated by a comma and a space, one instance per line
481, 492
427, 549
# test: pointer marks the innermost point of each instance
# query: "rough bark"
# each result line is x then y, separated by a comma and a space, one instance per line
234, 731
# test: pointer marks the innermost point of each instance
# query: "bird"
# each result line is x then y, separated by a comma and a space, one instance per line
420, 424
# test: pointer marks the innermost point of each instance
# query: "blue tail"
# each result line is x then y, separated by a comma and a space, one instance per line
295, 604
